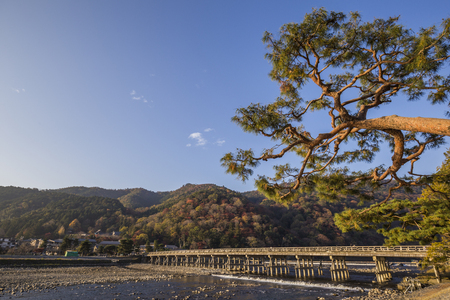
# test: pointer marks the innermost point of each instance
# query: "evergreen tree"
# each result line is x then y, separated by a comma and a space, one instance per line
356, 67
66, 244
438, 255
110, 249
148, 248
157, 246
85, 247
125, 247
425, 220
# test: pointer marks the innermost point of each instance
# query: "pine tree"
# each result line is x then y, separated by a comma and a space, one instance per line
85, 247
426, 219
356, 67
125, 247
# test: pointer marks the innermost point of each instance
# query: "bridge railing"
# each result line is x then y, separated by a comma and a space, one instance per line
278, 250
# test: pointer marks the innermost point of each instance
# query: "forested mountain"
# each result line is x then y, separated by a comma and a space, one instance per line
216, 217
194, 216
45, 213
131, 198
10, 197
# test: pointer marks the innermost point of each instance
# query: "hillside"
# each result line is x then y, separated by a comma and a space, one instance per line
33, 213
192, 216
11, 204
216, 217
131, 198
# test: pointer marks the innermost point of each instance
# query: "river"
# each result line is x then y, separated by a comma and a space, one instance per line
220, 286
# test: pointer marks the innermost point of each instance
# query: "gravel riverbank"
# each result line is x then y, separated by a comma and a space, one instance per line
19, 280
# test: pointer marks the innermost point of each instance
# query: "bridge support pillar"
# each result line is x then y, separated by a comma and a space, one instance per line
320, 269
212, 262
286, 266
270, 266
304, 267
247, 264
238, 265
278, 266
256, 265
263, 268
275, 266
338, 269
233, 264
199, 261
382, 271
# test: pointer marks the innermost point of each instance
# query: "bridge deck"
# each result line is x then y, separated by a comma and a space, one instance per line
349, 251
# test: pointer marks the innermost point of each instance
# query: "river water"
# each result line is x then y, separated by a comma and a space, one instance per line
240, 287
195, 287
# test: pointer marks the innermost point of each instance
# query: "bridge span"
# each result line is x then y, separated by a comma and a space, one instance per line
275, 261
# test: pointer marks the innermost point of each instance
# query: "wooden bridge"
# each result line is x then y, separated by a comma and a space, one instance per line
280, 260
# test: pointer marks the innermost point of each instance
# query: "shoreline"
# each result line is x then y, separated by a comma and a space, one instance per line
24, 279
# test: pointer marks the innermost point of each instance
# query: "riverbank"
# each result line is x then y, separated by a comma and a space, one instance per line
135, 279
19, 280
433, 292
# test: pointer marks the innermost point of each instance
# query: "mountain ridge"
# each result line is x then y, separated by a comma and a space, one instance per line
195, 215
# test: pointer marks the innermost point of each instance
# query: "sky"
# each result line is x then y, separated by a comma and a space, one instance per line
125, 94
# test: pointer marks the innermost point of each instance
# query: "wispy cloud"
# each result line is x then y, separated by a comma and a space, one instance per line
18, 91
201, 141
220, 142
138, 98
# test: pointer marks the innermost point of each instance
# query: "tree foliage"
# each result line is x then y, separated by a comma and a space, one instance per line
125, 247
37, 213
66, 244
194, 216
438, 255
215, 217
425, 219
84, 248
357, 67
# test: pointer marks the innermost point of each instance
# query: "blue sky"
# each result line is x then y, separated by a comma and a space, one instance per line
122, 94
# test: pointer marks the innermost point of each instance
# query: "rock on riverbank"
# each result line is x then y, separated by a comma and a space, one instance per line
434, 292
